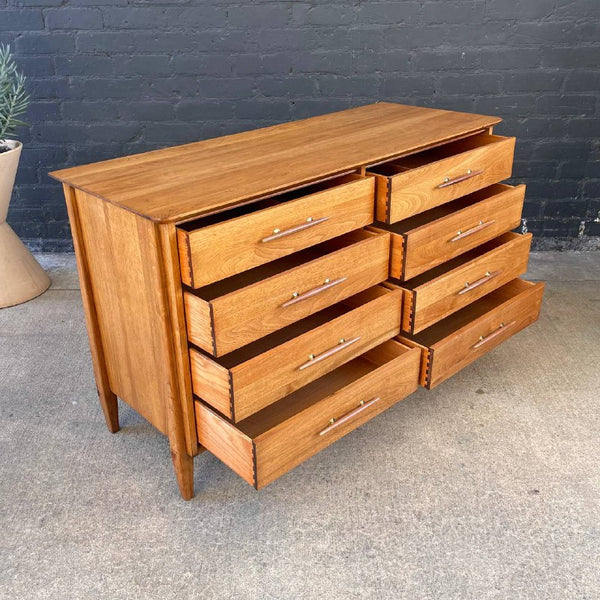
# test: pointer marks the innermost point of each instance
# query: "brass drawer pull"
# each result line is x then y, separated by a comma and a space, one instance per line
491, 336
314, 359
333, 423
471, 286
447, 181
463, 234
310, 222
296, 297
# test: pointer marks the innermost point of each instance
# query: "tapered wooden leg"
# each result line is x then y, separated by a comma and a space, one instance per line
110, 408
184, 471
108, 400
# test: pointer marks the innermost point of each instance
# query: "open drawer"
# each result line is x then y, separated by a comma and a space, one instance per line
231, 313
461, 338
418, 182
245, 381
266, 445
434, 295
221, 245
428, 239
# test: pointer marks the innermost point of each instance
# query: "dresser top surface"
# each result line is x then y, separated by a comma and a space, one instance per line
183, 182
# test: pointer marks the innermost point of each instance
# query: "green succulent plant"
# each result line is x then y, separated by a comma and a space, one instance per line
13, 98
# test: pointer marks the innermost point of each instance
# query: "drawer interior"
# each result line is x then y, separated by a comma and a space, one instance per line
451, 324
231, 284
457, 262
434, 155
299, 327
321, 388
439, 212
254, 207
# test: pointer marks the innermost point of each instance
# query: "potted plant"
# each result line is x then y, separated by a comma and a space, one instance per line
21, 277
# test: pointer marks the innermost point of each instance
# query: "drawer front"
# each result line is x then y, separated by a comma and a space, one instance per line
418, 189
252, 312
262, 452
509, 310
247, 387
445, 294
220, 250
419, 249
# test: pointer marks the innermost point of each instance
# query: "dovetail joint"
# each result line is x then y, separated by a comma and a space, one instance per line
388, 204
212, 328
254, 466
428, 368
231, 400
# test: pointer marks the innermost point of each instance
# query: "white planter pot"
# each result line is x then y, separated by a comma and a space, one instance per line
21, 277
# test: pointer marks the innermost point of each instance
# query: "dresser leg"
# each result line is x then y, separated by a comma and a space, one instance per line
110, 408
108, 400
184, 471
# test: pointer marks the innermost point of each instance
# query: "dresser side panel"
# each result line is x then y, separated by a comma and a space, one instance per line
125, 275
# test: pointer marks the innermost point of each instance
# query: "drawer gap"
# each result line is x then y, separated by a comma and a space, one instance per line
321, 388
421, 159
299, 327
457, 262
451, 324
247, 209
236, 282
439, 212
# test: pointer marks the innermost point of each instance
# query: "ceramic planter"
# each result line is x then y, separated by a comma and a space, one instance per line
21, 277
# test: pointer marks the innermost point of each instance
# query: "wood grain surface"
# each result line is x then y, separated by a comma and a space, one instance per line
286, 433
414, 184
451, 344
424, 241
244, 313
442, 291
257, 380
180, 183
212, 252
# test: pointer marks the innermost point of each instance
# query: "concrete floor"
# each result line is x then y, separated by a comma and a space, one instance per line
487, 487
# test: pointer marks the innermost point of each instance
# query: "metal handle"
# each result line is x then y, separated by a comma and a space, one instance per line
483, 340
471, 286
310, 222
296, 297
314, 359
333, 423
463, 234
447, 181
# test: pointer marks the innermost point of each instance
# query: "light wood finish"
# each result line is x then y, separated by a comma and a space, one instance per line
180, 422
424, 241
226, 442
123, 266
249, 268
249, 379
422, 181
455, 342
249, 306
442, 291
184, 182
135, 313
286, 433
212, 249
108, 399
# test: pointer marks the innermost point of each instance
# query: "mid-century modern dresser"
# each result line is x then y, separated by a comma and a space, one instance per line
261, 295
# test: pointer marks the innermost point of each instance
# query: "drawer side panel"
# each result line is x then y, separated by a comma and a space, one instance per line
226, 442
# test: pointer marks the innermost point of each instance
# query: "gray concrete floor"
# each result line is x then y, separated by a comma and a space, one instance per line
487, 487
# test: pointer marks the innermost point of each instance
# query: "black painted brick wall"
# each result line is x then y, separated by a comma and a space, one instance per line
114, 77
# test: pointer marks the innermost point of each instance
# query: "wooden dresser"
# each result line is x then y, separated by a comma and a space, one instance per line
261, 295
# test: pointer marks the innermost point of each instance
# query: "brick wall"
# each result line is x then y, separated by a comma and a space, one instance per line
114, 77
